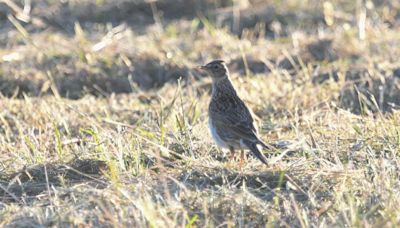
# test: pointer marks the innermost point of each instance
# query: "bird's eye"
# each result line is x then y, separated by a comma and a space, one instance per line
215, 66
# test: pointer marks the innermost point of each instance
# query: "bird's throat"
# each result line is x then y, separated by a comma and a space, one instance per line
223, 86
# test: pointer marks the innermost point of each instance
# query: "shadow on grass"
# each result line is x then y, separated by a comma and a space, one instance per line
32, 182
218, 177
262, 184
100, 80
366, 93
231, 193
139, 15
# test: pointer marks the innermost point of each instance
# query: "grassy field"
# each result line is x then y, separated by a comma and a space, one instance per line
103, 115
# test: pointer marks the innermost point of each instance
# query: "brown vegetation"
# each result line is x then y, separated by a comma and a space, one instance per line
103, 114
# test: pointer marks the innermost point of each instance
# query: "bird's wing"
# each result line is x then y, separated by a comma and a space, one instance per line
238, 120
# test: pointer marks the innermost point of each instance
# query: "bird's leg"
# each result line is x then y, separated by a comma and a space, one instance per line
242, 157
232, 157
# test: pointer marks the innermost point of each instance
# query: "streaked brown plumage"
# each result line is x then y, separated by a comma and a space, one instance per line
230, 121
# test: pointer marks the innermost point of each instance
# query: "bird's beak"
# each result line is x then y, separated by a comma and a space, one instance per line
202, 67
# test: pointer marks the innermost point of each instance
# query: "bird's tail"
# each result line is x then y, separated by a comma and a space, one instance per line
266, 146
254, 149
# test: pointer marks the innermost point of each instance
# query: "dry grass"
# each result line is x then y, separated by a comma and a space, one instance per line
103, 121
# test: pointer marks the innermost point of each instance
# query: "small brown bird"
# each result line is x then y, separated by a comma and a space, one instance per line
230, 121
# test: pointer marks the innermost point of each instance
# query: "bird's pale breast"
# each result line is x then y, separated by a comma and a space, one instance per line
215, 136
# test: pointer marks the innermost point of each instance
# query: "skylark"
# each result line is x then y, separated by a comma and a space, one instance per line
230, 121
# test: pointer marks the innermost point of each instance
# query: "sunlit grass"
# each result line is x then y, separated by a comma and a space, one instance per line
132, 148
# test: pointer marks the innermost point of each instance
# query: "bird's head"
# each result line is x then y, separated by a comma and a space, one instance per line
217, 69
